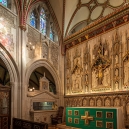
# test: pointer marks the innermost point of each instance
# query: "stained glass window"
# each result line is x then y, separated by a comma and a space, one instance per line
42, 22
4, 2
51, 34
32, 20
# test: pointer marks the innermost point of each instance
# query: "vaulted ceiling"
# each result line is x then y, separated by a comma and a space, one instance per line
72, 15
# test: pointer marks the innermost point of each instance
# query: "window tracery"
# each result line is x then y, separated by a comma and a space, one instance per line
3, 2
42, 21
32, 20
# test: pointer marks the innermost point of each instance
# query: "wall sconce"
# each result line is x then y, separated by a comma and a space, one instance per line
31, 89
30, 46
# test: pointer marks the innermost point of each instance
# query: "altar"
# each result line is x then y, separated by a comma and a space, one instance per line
94, 118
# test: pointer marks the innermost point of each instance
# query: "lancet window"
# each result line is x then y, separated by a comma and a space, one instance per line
33, 20
42, 22
3, 2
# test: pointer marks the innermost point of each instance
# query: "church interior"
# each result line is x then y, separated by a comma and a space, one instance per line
59, 54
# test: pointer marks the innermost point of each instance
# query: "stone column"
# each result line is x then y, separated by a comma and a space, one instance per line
22, 71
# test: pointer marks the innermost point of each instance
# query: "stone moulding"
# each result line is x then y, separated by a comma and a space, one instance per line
98, 94
37, 92
109, 22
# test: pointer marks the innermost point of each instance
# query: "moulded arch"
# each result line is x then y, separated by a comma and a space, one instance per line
45, 63
10, 64
14, 80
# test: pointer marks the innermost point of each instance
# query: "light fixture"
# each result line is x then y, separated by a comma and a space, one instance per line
31, 89
30, 46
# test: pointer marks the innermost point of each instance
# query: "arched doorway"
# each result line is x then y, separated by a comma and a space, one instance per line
5, 97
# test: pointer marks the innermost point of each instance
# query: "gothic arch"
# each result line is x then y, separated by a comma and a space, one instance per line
31, 66
14, 80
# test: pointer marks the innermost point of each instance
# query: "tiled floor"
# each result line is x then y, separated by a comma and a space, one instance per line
52, 127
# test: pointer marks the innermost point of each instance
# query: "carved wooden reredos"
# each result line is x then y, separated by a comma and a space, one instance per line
99, 65
97, 71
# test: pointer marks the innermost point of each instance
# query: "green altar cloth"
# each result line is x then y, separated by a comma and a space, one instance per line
94, 117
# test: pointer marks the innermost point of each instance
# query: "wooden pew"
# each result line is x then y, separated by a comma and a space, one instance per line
25, 124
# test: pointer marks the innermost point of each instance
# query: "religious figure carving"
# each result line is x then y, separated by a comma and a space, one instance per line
116, 102
94, 79
106, 79
99, 103
91, 102
84, 102
100, 74
77, 73
107, 102
76, 81
78, 103
116, 85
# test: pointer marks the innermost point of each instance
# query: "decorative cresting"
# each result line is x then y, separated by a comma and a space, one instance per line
101, 67
77, 72
87, 118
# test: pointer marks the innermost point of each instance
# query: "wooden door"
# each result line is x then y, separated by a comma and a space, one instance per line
5, 107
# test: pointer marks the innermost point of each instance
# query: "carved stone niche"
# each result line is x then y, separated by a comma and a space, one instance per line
77, 73
44, 84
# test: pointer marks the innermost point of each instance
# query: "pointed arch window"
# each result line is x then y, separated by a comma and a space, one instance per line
3, 2
42, 22
33, 20
51, 34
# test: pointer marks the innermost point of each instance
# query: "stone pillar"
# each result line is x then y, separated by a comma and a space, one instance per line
22, 71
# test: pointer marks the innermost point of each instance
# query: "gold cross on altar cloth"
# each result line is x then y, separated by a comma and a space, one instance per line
87, 118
